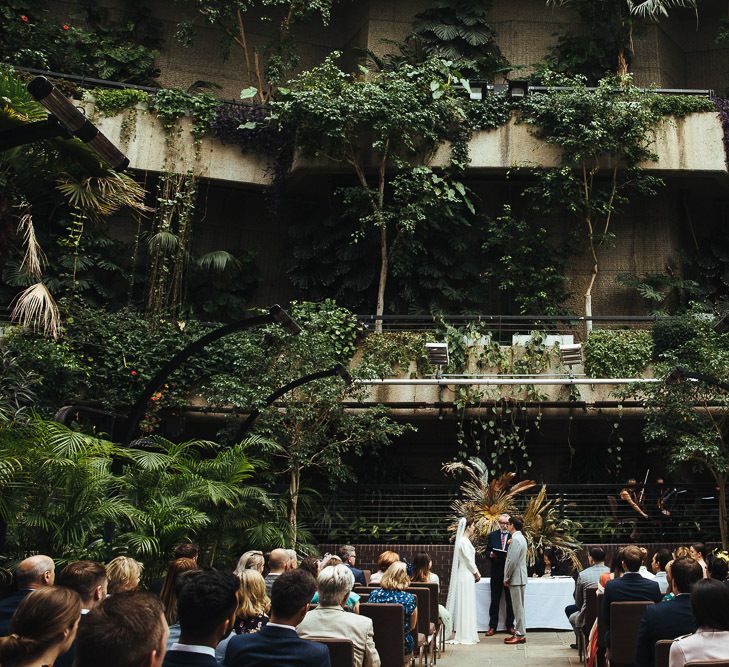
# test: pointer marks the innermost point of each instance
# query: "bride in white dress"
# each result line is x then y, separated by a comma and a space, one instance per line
461, 589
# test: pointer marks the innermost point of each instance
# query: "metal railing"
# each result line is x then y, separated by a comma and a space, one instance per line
421, 514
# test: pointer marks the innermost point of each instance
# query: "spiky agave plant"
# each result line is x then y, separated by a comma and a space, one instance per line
483, 500
543, 528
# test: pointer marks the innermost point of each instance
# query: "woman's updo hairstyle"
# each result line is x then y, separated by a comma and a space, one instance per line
40, 621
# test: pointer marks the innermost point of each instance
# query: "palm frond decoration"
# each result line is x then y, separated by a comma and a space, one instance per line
34, 258
35, 307
544, 528
654, 8
483, 500
218, 261
101, 196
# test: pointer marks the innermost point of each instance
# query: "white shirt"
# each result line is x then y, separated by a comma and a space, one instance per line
193, 648
280, 625
643, 572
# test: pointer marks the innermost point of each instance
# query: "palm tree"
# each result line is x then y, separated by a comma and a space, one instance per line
622, 15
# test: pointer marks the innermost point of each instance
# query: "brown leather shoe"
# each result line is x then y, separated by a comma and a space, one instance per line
511, 631
516, 639
490, 632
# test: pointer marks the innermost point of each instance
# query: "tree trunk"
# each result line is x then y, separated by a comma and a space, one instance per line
384, 262
294, 482
723, 527
622, 63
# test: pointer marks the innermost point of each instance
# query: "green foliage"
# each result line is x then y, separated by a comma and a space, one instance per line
389, 353
111, 101
617, 353
96, 46
170, 104
680, 106
458, 30
662, 291
673, 334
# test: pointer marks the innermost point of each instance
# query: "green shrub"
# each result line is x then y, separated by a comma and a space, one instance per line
617, 353
672, 334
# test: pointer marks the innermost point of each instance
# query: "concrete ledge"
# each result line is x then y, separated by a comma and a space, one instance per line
145, 145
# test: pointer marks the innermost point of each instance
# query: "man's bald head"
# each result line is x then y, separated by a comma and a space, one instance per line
278, 560
35, 572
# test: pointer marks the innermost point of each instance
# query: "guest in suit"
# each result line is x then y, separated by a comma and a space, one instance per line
348, 554
630, 587
206, 606
43, 627
516, 577
498, 542
30, 575
277, 644
589, 577
89, 580
125, 630
330, 620
671, 619
710, 604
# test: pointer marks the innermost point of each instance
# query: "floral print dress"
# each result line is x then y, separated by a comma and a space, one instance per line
408, 602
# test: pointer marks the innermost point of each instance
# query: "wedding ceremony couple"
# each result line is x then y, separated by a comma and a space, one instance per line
507, 548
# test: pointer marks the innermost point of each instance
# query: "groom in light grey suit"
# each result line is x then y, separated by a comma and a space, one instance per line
515, 577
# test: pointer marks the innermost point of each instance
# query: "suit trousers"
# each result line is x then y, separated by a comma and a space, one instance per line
517, 601
497, 588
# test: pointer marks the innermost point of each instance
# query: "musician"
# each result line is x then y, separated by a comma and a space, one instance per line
632, 507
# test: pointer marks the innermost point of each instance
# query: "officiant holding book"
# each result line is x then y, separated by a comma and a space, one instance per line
496, 549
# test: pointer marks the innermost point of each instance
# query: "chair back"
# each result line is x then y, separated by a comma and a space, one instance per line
363, 597
590, 607
434, 590
624, 622
422, 596
364, 590
341, 651
388, 621
663, 648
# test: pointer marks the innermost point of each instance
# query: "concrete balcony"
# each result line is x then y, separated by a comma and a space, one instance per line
140, 135
693, 144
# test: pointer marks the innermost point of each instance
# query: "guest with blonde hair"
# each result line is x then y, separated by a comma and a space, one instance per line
123, 574
392, 591
43, 628
250, 560
253, 603
384, 560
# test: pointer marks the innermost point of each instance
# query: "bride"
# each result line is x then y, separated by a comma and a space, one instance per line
461, 590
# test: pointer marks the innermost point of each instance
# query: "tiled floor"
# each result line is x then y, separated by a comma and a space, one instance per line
545, 648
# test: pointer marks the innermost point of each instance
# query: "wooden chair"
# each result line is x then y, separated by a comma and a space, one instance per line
662, 649
589, 620
425, 634
600, 632
389, 626
624, 622
436, 626
363, 597
341, 651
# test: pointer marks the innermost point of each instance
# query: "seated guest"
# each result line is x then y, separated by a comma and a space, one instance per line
277, 644
43, 627
312, 565
89, 580
30, 575
660, 560
125, 630
630, 587
250, 560
123, 574
253, 605
682, 552
184, 550
293, 559
384, 560
550, 565
278, 563
392, 591
352, 601
348, 554
588, 578
330, 620
421, 569
697, 551
710, 604
616, 570
178, 568
718, 568
672, 619
643, 570
206, 606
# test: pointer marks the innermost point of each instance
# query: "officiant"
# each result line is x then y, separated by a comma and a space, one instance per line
496, 550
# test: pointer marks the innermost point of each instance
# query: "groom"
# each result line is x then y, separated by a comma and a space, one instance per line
515, 577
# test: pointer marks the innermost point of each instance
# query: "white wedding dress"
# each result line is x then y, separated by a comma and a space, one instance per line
462, 590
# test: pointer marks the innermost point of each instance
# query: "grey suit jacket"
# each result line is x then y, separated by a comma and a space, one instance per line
590, 576
335, 622
515, 568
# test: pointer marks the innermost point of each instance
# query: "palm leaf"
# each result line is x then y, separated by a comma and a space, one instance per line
35, 308
218, 261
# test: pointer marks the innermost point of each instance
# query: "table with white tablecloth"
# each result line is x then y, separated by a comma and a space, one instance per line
544, 600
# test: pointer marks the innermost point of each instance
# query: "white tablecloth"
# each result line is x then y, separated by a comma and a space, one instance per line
545, 600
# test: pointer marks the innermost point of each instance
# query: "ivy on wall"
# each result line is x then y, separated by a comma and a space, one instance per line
618, 353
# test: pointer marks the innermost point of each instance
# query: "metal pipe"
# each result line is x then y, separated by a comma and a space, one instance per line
497, 381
